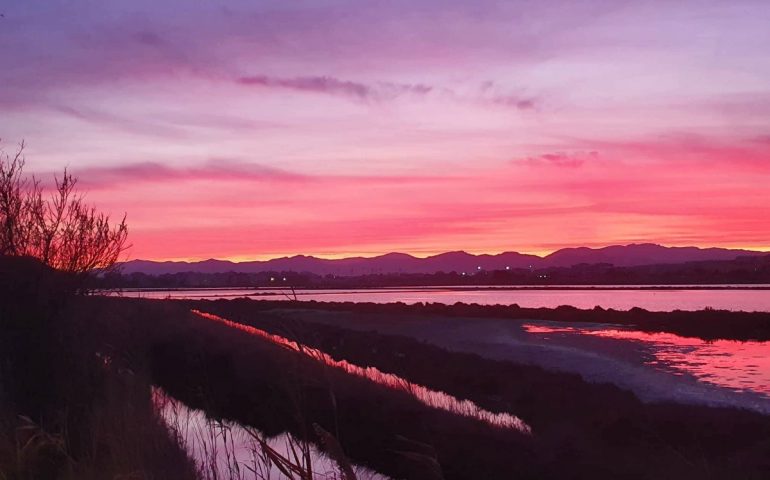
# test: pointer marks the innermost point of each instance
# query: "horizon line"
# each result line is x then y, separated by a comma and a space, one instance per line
423, 255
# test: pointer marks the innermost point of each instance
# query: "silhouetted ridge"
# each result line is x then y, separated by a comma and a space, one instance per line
456, 261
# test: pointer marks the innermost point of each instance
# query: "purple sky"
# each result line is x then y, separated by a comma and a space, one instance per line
254, 129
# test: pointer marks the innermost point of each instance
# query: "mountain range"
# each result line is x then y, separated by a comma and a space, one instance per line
618, 255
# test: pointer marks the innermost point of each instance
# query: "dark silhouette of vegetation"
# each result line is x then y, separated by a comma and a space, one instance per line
73, 406
580, 429
231, 375
67, 410
59, 228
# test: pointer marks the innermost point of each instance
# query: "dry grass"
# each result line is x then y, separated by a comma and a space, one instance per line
124, 439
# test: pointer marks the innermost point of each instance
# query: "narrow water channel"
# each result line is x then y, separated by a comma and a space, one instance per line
224, 450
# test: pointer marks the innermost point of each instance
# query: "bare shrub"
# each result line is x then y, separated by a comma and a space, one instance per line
57, 227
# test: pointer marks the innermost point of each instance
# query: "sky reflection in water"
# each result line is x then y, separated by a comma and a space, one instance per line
740, 366
223, 449
428, 397
607, 297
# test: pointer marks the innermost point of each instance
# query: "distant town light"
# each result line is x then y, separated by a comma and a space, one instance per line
507, 268
478, 268
284, 279
272, 279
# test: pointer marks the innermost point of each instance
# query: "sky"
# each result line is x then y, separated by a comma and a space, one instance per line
250, 130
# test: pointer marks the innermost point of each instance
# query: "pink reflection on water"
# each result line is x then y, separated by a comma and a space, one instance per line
228, 450
742, 366
431, 398
650, 298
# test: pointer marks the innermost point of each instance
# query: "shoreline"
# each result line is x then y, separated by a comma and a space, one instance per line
459, 288
706, 324
621, 363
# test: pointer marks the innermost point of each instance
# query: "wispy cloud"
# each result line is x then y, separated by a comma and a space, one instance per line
321, 112
488, 93
493, 94
328, 85
230, 170
514, 101
213, 170
335, 86
123, 123
691, 150
559, 159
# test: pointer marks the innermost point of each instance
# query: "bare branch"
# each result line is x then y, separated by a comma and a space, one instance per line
62, 231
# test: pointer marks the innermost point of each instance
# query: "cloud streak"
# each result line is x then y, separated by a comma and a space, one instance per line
559, 159
214, 171
285, 127
224, 171
384, 91
598, 202
334, 86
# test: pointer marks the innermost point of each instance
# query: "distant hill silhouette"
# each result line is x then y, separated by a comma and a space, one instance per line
640, 254
618, 255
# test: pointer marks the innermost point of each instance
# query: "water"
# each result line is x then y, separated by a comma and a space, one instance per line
655, 366
737, 366
619, 298
227, 450
430, 398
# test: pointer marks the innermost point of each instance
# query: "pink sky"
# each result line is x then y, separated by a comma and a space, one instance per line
257, 129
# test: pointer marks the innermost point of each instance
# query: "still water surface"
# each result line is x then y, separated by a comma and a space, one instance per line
646, 297
733, 365
601, 351
228, 450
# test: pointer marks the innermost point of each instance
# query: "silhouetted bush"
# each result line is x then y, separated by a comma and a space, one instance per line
78, 415
61, 231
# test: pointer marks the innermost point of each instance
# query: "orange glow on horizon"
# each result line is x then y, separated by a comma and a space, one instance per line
219, 138
419, 254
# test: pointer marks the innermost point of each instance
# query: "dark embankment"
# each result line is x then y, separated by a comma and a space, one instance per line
67, 411
581, 430
231, 374
706, 324
568, 414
